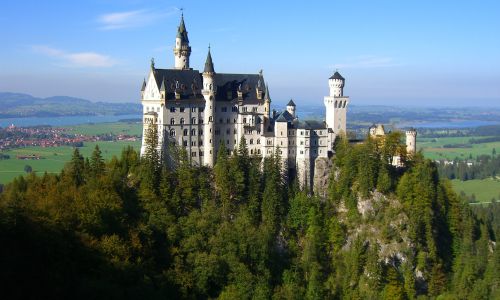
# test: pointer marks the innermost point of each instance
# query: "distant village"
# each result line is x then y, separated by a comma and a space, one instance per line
45, 136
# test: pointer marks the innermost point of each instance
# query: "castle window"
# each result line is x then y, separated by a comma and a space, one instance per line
201, 109
301, 152
220, 120
193, 109
172, 132
172, 121
224, 109
201, 153
181, 109
244, 120
301, 132
251, 141
201, 121
245, 109
193, 154
234, 121
258, 151
228, 131
234, 109
193, 143
193, 120
185, 143
258, 141
254, 109
193, 131
200, 143
185, 132
182, 120
281, 143
234, 131
251, 151
217, 131
258, 120
301, 143
227, 142
210, 119
307, 132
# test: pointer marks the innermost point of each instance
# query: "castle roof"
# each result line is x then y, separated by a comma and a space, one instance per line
209, 65
284, 116
182, 32
337, 75
143, 85
310, 125
188, 84
291, 103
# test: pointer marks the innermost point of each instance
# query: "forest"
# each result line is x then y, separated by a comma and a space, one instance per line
156, 227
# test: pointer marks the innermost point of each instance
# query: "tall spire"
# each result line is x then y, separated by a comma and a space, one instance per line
209, 65
181, 30
267, 96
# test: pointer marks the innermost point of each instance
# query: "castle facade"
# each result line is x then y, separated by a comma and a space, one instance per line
199, 110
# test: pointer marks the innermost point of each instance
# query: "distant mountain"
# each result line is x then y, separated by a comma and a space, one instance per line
14, 105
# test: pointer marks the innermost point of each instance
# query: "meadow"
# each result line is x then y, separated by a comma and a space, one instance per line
484, 190
54, 158
433, 148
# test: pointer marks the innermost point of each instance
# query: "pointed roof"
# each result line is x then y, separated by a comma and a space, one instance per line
209, 65
143, 85
267, 96
291, 103
337, 75
181, 30
162, 88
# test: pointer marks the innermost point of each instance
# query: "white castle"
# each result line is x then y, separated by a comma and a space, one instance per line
200, 110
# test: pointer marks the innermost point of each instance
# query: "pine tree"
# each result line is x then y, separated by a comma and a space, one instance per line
97, 162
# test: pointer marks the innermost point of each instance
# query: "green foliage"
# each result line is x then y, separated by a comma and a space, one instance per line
135, 227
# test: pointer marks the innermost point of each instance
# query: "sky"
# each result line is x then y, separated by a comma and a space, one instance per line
409, 53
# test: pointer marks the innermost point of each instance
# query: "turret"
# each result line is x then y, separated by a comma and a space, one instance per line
336, 84
209, 91
182, 50
267, 103
411, 141
290, 107
336, 104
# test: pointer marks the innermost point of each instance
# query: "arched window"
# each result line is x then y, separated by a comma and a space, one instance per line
258, 151
210, 119
258, 142
251, 141
193, 131
185, 132
172, 121
172, 132
182, 120
193, 120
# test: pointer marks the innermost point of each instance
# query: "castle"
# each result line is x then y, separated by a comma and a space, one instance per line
200, 110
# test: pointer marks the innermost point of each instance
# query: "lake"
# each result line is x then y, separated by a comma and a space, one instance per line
64, 121
451, 124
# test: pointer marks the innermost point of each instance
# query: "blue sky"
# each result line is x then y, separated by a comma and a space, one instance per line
390, 52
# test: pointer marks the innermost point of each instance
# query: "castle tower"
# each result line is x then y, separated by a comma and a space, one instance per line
209, 90
290, 107
411, 141
182, 50
336, 104
267, 105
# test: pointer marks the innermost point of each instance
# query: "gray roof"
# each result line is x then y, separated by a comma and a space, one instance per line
267, 95
291, 103
189, 84
337, 75
284, 116
209, 65
143, 85
310, 124
182, 32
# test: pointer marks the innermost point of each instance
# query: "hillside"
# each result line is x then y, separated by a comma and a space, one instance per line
133, 228
16, 105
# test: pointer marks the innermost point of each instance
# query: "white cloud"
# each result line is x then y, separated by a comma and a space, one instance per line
133, 18
77, 59
368, 61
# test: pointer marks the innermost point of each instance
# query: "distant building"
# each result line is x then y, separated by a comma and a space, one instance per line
378, 131
200, 110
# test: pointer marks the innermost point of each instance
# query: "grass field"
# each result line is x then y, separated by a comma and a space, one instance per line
104, 128
483, 189
433, 148
54, 158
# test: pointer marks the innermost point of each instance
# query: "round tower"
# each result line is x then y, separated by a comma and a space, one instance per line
209, 91
267, 104
411, 141
182, 50
336, 84
290, 107
336, 104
